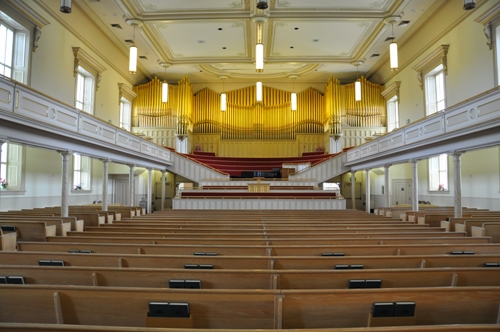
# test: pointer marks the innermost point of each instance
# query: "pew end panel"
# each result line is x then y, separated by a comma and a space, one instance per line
8, 241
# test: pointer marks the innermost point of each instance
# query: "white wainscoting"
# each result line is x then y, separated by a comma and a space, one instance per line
257, 204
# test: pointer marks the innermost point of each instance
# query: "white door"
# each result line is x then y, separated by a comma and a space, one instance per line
121, 192
402, 192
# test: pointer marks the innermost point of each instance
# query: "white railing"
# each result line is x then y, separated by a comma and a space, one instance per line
323, 171
30, 104
469, 116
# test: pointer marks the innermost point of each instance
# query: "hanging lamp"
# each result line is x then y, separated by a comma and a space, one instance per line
223, 97
293, 102
258, 91
393, 46
164, 85
357, 84
132, 61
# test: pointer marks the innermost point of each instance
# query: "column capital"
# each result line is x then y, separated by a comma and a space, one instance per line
414, 161
64, 153
387, 165
3, 141
105, 160
456, 153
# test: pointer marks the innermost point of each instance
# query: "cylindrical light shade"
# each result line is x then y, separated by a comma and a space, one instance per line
132, 60
357, 90
393, 51
469, 4
294, 101
259, 57
66, 6
258, 91
164, 92
223, 102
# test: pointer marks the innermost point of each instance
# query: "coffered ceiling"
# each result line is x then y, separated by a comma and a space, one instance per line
205, 39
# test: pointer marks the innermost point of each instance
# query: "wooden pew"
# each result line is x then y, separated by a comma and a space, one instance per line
254, 309
248, 262
75, 224
8, 241
491, 229
127, 247
27, 327
31, 230
253, 279
133, 239
62, 226
467, 224
449, 225
334, 232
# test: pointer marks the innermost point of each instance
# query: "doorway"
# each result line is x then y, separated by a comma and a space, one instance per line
402, 192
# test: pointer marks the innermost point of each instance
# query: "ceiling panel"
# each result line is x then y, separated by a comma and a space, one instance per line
316, 38
198, 39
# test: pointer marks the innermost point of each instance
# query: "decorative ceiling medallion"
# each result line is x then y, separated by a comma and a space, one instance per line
236, 4
363, 24
282, 3
149, 6
161, 25
280, 24
376, 4
238, 25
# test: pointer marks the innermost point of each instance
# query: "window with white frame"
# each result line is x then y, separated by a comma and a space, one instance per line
125, 113
438, 173
11, 167
85, 91
81, 172
435, 93
14, 48
392, 114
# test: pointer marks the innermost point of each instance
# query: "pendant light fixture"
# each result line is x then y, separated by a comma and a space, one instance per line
66, 6
469, 4
259, 46
164, 85
132, 61
357, 84
258, 91
393, 47
293, 102
393, 51
223, 97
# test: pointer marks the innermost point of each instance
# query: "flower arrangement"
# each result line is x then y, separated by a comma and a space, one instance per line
4, 183
78, 186
441, 188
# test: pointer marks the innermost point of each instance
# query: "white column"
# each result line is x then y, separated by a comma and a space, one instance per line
353, 190
1, 144
105, 164
367, 192
386, 185
131, 185
65, 185
150, 188
414, 195
458, 184
163, 180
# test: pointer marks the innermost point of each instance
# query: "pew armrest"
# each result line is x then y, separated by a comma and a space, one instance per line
8, 241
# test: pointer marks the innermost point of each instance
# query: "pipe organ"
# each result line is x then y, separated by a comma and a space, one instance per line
247, 119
